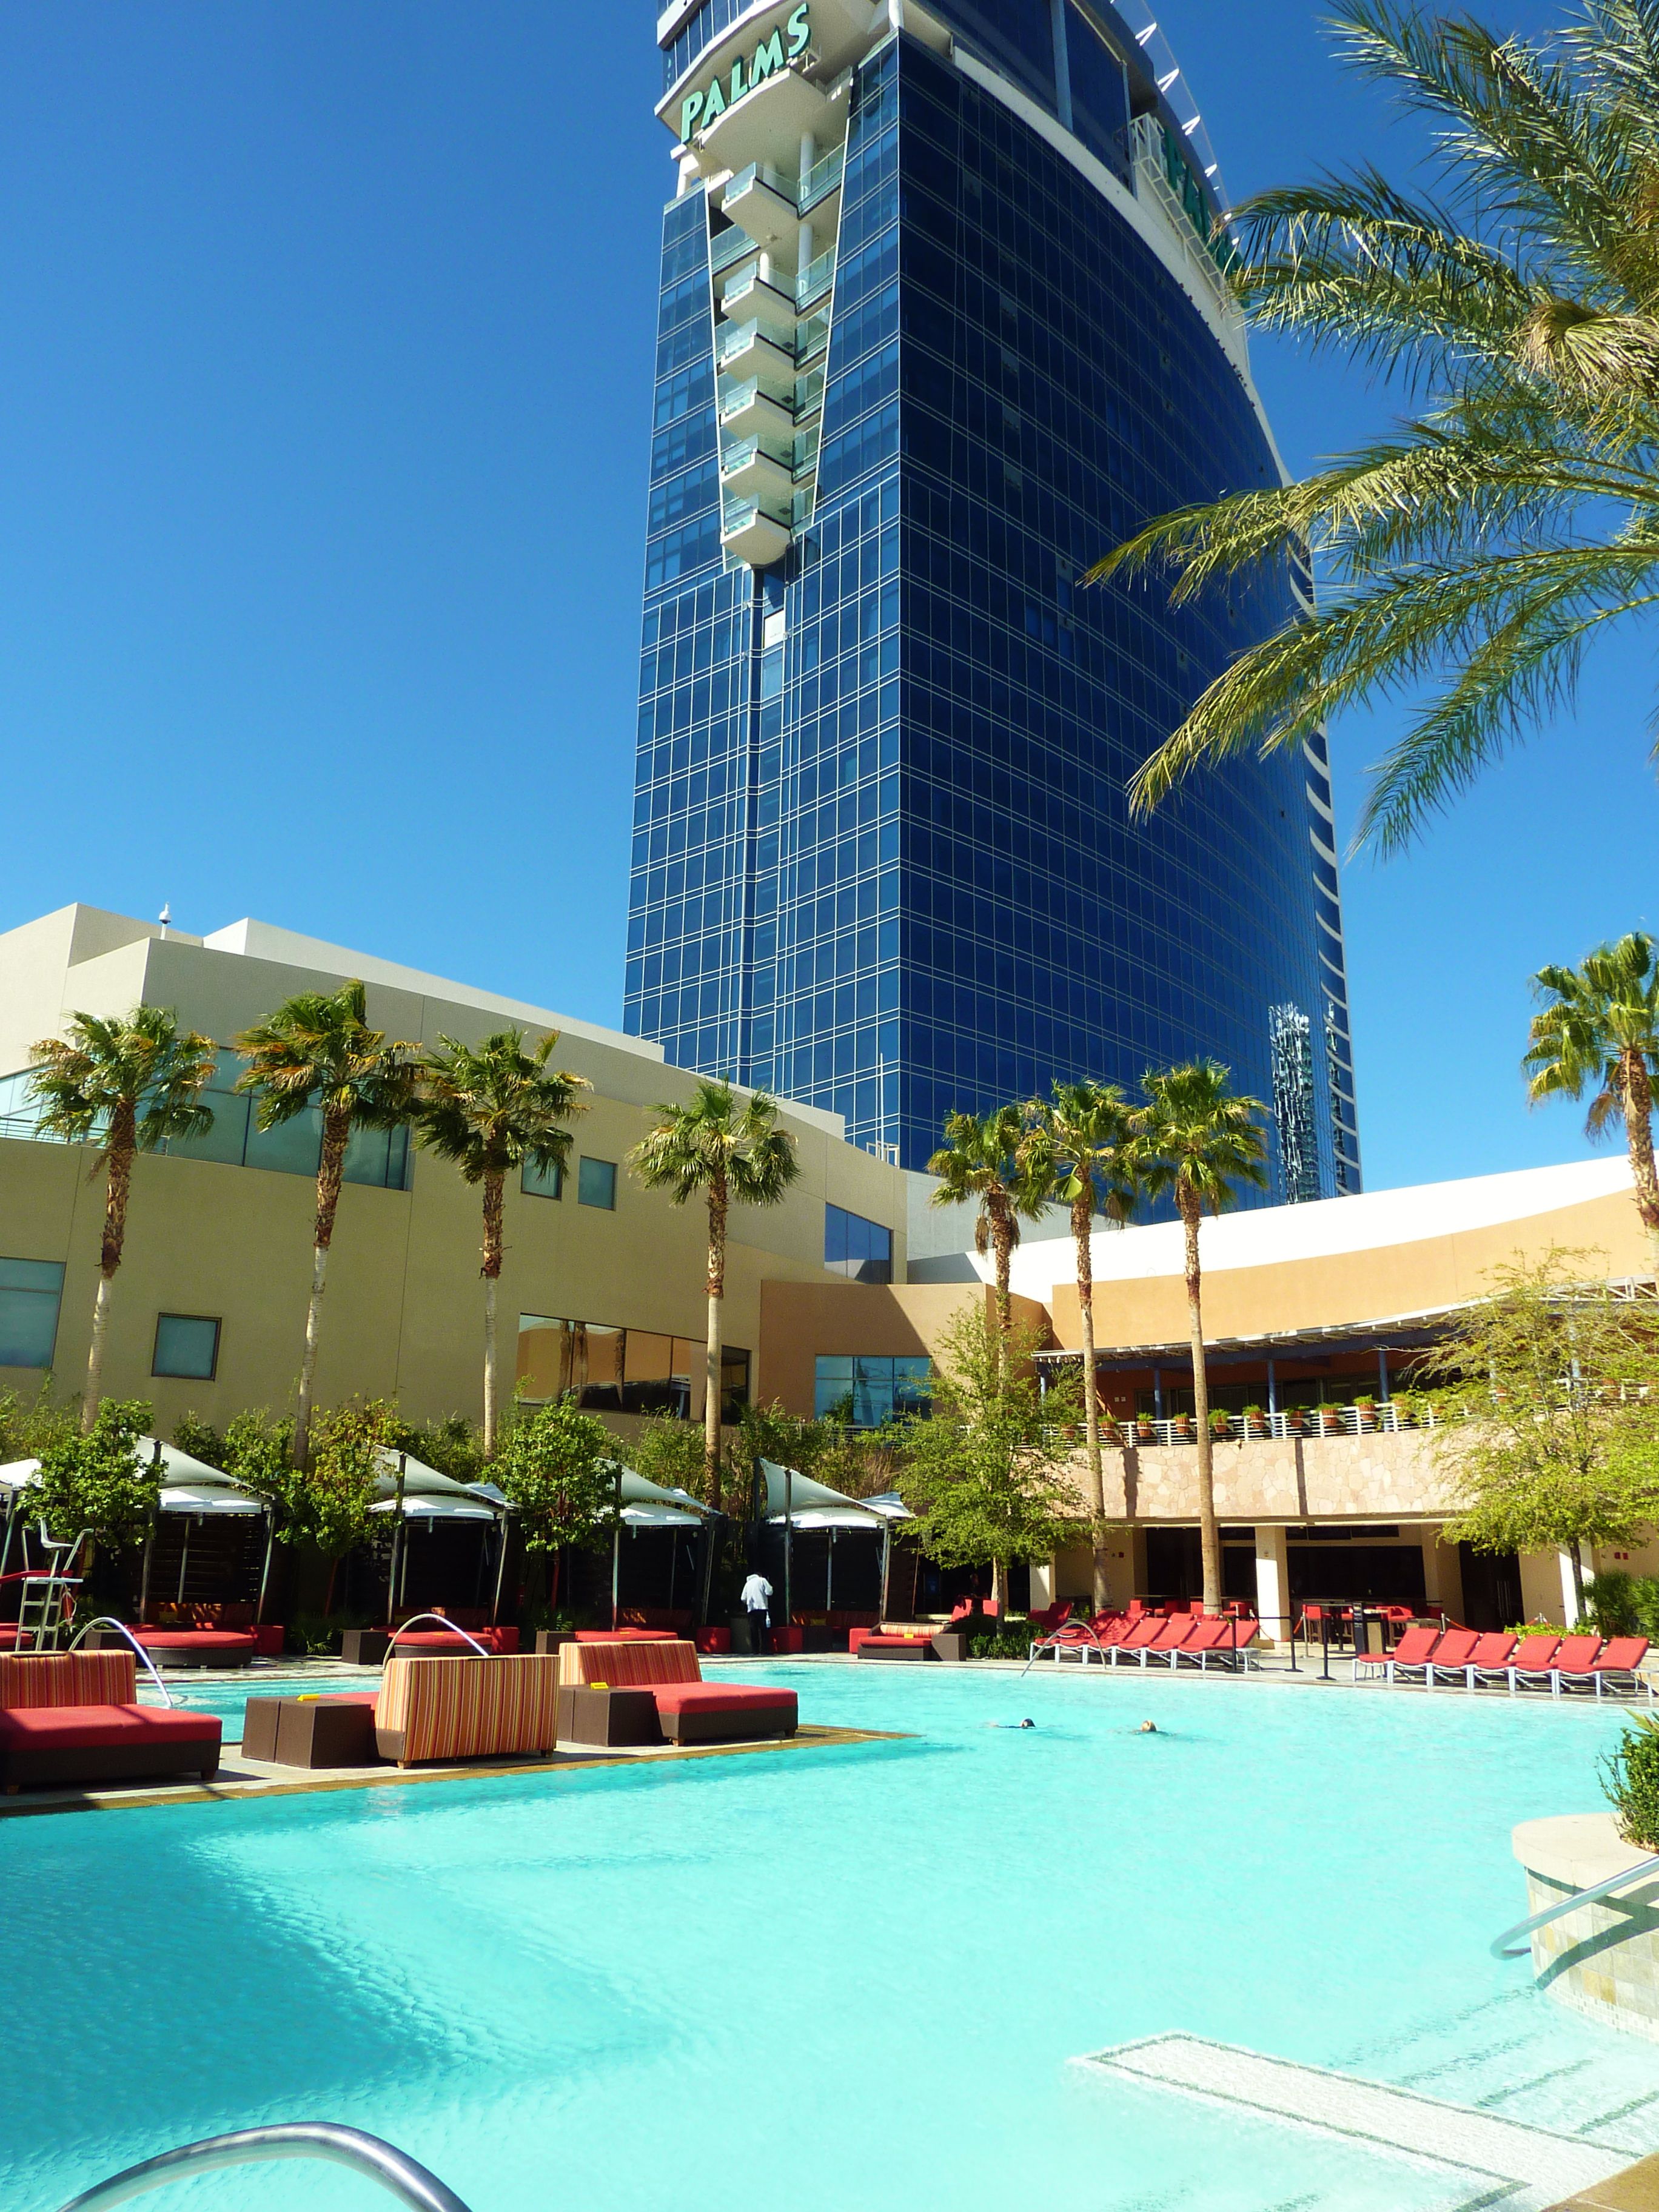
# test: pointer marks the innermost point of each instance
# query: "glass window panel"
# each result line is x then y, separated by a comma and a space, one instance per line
368, 1156
596, 1183
227, 1140
734, 1380
541, 1182
186, 1345
293, 1148
30, 1293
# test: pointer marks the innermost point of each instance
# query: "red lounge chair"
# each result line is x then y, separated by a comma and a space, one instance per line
1209, 1633
1621, 1654
1575, 1661
1048, 1618
198, 1647
1412, 1653
1534, 1657
1451, 1656
1173, 1637
1490, 1659
689, 1710
1140, 1633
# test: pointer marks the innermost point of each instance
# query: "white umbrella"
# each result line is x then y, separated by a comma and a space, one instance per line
436, 1509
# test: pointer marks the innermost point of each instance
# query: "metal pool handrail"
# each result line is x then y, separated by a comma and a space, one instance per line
1051, 1642
398, 2174
108, 1620
1501, 1947
443, 1622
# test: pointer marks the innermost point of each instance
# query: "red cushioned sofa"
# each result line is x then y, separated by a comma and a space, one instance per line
689, 1710
73, 1716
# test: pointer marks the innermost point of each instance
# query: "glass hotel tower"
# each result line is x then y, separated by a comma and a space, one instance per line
939, 325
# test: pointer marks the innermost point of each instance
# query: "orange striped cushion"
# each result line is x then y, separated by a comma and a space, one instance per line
626, 1665
66, 1678
470, 1708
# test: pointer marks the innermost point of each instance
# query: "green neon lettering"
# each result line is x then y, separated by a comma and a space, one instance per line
737, 81
799, 30
690, 109
769, 56
714, 102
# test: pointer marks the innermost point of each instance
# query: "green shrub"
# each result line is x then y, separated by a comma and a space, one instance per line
1013, 1642
1631, 1779
1610, 1603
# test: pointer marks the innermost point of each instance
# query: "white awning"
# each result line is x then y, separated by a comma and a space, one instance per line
658, 1516
419, 1480
177, 1499
439, 1509
795, 1498
636, 1491
17, 1473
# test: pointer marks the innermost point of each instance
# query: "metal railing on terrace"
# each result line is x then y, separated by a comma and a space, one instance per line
1362, 1420
822, 177
729, 249
814, 282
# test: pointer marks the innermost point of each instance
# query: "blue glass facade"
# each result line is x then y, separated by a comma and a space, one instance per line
882, 858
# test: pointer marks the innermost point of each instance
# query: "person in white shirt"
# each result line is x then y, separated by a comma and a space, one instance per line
757, 1603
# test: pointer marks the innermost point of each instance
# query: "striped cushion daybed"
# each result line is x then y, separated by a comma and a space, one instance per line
73, 1716
452, 1709
689, 1710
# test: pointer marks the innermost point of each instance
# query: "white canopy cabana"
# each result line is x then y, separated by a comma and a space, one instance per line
797, 1501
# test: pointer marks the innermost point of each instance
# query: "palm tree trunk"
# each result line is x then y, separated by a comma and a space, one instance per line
1002, 1249
1637, 1103
336, 1127
1209, 1533
493, 1186
711, 1408
1082, 1228
122, 1144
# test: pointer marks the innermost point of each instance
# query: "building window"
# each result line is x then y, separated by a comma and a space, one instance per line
596, 1184
186, 1345
622, 1371
858, 1248
541, 1182
30, 1293
869, 1392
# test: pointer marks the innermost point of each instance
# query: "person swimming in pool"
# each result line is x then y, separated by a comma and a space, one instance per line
1011, 1724
1147, 1728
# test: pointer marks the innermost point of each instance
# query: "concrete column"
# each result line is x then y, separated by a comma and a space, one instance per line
1272, 1582
1043, 1583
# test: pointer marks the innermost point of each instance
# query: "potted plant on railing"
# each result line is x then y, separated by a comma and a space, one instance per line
1256, 1421
1145, 1432
1180, 1428
1364, 1415
1221, 1425
1328, 1421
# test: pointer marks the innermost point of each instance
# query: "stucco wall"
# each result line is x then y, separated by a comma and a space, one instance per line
1375, 1478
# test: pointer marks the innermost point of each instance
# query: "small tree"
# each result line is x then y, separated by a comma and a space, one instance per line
128, 1083
670, 1452
557, 1467
983, 1475
451, 1444
981, 1160
29, 1425
332, 1503
106, 1482
1555, 1449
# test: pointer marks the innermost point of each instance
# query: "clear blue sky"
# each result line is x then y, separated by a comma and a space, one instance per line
324, 395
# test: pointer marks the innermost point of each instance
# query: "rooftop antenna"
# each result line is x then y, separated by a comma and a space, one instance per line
166, 915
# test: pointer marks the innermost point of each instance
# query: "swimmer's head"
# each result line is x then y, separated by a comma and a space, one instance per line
1028, 1724
1148, 1727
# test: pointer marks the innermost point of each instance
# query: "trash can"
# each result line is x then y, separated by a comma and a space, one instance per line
742, 1644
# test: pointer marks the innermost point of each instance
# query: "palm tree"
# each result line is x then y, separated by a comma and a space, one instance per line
1080, 1149
1600, 1026
133, 1080
725, 1148
489, 1111
317, 1049
1473, 554
1200, 1141
980, 1159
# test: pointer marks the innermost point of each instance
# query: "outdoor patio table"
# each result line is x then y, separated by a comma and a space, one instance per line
310, 1731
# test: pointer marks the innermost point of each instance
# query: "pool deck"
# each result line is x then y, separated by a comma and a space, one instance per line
245, 1778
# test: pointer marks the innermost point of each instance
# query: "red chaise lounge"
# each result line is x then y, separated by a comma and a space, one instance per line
73, 1717
689, 1710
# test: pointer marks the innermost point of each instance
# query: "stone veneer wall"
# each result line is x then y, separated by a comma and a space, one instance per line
1383, 1477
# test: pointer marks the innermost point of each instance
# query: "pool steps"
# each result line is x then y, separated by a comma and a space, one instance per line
1536, 2166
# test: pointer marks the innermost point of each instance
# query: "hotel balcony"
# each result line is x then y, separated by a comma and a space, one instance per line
747, 355
729, 249
763, 202
820, 188
750, 474
753, 535
767, 125
751, 298
746, 412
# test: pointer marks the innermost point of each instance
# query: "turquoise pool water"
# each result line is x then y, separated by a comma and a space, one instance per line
852, 1976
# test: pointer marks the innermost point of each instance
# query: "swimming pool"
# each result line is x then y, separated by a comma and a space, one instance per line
834, 1978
